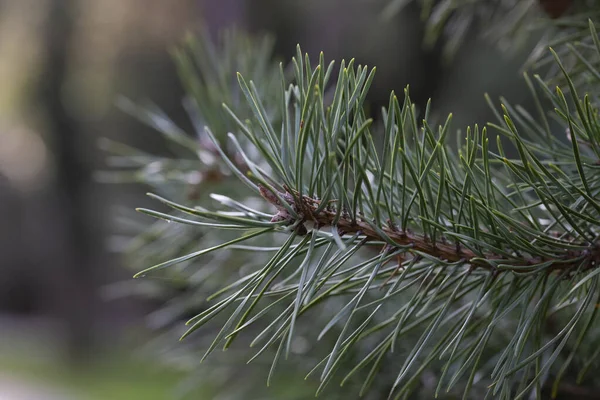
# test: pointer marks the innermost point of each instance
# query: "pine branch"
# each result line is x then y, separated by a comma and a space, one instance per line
333, 175
454, 220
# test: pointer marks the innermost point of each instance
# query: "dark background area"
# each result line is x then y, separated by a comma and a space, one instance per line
62, 65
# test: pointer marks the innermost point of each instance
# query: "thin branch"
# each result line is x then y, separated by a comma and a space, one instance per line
306, 208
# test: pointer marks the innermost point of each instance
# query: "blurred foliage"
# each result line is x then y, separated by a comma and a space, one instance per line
511, 24
117, 375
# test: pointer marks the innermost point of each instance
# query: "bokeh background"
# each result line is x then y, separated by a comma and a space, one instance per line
63, 63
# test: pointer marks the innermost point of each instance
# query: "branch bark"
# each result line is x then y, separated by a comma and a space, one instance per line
306, 208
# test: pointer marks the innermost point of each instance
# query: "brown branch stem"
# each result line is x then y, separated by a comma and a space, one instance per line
306, 208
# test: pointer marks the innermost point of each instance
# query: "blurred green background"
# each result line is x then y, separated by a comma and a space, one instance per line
63, 63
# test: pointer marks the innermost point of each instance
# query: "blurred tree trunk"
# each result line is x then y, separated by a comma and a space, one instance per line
136, 63
75, 277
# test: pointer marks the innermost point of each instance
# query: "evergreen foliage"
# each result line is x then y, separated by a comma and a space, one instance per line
409, 259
